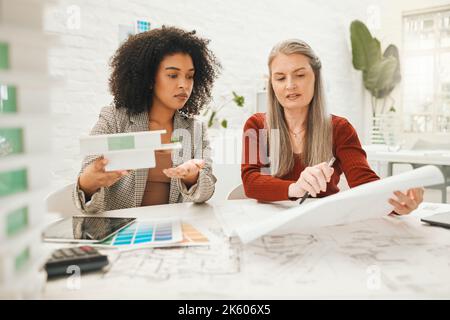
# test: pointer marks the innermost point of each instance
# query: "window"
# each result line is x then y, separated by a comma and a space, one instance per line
426, 76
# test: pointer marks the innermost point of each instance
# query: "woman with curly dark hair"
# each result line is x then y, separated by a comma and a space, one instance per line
160, 80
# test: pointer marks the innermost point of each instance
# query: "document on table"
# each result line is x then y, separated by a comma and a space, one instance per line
367, 201
232, 214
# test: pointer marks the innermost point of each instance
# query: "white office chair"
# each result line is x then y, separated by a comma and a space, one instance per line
343, 184
237, 193
60, 201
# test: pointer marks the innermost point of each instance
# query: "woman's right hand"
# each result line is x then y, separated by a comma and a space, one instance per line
94, 177
313, 180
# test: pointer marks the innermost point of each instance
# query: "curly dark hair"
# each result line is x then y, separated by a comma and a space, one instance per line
135, 63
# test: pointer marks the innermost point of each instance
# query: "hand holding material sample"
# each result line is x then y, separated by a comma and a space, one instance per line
131, 150
95, 177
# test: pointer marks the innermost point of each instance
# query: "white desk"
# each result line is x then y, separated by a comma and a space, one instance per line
386, 258
440, 158
381, 153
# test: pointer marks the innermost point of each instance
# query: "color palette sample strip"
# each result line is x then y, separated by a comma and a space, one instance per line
148, 233
192, 236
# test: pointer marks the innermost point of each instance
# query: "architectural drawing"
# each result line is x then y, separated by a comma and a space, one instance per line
392, 257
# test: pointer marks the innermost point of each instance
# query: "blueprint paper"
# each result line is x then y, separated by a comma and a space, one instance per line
364, 202
387, 258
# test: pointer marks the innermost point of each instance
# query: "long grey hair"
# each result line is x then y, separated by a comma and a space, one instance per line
318, 145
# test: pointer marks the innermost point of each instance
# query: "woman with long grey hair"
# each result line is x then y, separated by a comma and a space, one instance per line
287, 151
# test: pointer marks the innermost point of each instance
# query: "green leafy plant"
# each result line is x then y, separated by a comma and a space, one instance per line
212, 113
381, 72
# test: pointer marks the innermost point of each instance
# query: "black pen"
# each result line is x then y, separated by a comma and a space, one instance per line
306, 195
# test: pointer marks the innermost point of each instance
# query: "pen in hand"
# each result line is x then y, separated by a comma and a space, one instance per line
306, 195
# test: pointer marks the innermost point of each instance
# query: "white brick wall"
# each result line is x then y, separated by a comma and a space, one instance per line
242, 34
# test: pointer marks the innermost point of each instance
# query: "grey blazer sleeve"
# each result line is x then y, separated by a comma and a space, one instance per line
205, 186
106, 124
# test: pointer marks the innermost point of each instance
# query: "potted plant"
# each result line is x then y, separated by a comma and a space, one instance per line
212, 112
381, 72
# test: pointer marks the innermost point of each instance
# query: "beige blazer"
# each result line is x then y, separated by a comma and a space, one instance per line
129, 190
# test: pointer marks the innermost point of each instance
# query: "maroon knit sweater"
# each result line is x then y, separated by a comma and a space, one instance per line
350, 159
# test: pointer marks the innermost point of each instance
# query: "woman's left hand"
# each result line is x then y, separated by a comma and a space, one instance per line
188, 172
405, 203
